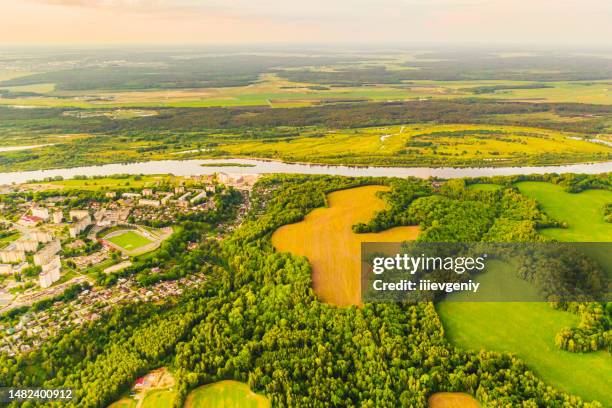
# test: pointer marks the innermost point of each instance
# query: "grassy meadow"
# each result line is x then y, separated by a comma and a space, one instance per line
583, 212
425, 143
528, 329
225, 394
325, 237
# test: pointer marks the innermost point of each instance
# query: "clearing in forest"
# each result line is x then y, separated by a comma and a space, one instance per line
326, 238
225, 394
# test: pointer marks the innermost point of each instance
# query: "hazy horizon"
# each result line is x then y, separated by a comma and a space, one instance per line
476, 23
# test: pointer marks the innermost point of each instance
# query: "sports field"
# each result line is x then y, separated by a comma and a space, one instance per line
528, 329
325, 237
452, 400
225, 394
129, 240
583, 212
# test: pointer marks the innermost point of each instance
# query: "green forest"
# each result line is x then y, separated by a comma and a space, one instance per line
257, 320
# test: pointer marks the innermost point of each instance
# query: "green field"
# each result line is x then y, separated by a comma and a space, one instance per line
274, 91
159, 399
583, 212
528, 329
426, 144
225, 394
102, 183
130, 240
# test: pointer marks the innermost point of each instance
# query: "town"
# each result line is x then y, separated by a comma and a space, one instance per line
53, 242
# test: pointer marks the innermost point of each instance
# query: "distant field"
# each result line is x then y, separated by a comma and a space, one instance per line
272, 90
129, 240
452, 400
583, 212
225, 394
325, 237
426, 144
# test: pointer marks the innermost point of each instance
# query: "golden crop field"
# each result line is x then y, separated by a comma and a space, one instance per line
452, 400
325, 237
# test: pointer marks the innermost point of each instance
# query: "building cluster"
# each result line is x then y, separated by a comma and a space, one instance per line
36, 327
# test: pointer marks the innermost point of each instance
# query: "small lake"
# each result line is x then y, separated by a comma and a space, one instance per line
194, 167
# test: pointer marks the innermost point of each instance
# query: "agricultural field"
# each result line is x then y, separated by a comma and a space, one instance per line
225, 394
583, 212
325, 237
528, 329
276, 91
452, 400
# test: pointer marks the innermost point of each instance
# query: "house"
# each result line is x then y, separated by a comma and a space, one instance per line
147, 192
111, 194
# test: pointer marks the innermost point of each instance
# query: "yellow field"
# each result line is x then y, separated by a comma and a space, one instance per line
452, 400
458, 141
325, 237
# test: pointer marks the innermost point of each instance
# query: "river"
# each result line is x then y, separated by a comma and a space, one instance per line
194, 167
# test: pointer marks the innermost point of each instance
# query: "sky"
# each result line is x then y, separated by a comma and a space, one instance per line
584, 23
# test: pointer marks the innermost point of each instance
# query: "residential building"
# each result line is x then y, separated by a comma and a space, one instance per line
46, 254
12, 255
151, 203
41, 212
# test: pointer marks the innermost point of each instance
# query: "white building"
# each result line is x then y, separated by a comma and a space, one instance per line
147, 192
58, 217
41, 212
131, 195
151, 203
41, 236
46, 254
78, 214
46, 279
26, 244
12, 255
6, 269
201, 196
79, 226
166, 198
